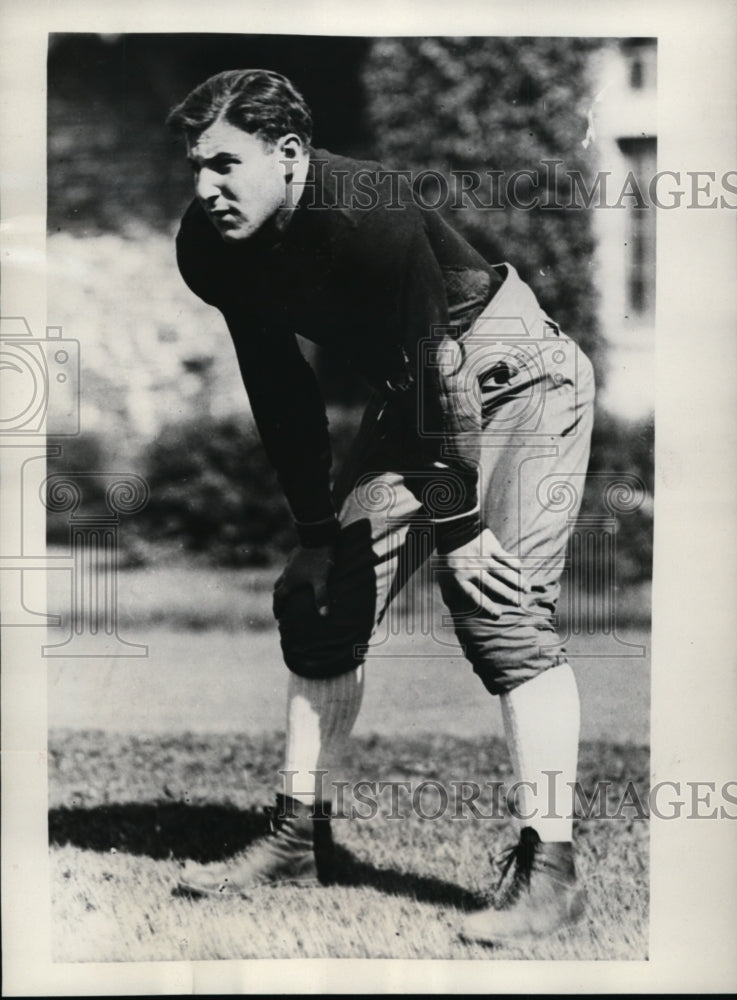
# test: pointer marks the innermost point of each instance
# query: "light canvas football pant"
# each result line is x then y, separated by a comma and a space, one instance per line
535, 389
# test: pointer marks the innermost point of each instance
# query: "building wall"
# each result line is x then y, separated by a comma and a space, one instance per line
624, 129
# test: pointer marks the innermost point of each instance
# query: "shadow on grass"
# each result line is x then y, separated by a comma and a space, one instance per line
347, 870
176, 831
162, 831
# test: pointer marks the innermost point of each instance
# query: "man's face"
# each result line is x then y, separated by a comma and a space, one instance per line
239, 180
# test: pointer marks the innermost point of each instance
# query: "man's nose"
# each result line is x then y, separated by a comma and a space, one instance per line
206, 186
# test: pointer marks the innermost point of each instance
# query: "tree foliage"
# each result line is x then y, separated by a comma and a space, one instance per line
499, 104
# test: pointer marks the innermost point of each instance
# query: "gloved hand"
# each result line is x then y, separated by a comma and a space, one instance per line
306, 567
479, 574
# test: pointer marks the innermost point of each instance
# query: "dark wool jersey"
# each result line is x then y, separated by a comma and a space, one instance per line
364, 271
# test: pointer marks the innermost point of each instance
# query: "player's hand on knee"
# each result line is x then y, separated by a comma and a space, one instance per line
306, 568
484, 574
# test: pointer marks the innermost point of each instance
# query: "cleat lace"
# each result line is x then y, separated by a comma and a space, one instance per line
515, 864
275, 819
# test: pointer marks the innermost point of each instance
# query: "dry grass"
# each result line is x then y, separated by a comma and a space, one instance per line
186, 594
126, 811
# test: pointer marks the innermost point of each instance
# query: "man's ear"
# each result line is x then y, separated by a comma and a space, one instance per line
290, 146
291, 152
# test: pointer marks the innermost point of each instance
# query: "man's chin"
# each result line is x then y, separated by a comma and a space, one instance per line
233, 237
234, 234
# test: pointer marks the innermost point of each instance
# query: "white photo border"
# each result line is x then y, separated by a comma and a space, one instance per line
694, 690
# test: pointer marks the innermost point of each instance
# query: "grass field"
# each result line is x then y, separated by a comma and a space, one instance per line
126, 811
127, 808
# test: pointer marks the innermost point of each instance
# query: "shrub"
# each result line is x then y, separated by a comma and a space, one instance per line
82, 454
213, 489
624, 447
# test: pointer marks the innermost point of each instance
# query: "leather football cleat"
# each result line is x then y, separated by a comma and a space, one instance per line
538, 893
295, 852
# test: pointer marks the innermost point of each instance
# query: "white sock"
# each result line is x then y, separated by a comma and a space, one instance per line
320, 717
541, 722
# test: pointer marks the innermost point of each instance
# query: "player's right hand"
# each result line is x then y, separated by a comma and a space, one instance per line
306, 567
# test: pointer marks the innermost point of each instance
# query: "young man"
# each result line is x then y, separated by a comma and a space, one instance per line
481, 415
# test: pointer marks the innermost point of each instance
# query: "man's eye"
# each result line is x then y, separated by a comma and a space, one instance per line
219, 167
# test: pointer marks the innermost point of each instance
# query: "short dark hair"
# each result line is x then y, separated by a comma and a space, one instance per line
255, 100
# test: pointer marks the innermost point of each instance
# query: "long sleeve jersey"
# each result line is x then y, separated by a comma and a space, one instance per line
366, 272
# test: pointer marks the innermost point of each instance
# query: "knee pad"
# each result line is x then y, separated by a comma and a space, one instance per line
319, 647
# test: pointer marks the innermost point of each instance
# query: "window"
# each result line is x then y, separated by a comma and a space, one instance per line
641, 157
642, 65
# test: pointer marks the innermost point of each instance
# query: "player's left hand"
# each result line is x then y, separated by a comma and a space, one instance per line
483, 576
306, 567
